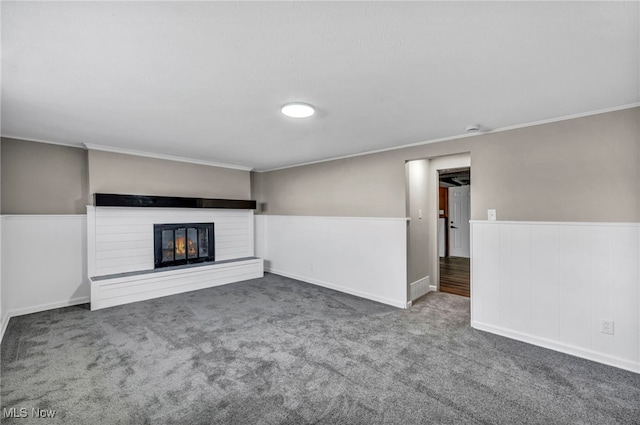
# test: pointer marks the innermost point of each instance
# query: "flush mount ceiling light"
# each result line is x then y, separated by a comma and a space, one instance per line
298, 110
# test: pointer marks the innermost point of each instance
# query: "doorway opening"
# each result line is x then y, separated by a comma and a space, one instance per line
454, 246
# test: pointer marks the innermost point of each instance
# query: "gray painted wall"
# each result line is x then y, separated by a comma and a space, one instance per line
363, 186
39, 178
583, 169
418, 235
126, 174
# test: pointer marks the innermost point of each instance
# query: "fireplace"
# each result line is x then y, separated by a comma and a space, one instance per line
183, 243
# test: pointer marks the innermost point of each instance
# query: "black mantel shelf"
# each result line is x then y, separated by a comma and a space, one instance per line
115, 200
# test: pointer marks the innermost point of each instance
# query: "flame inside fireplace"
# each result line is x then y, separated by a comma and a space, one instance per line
182, 247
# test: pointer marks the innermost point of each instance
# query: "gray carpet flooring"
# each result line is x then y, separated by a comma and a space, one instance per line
280, 351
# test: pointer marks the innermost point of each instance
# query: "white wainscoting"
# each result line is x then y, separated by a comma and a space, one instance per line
551, 284
121, 239
366, 257
43, 263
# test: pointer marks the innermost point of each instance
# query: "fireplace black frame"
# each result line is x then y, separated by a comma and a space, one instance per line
157, 244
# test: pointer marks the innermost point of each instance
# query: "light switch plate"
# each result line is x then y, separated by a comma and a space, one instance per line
491, 215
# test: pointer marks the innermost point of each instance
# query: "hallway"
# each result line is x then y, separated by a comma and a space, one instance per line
455, 275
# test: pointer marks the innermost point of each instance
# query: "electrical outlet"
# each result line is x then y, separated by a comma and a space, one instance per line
491, 215
606, 326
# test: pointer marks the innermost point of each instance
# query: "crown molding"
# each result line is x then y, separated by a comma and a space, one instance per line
463, 136
111, 149
244, 168
48, 142
103, 148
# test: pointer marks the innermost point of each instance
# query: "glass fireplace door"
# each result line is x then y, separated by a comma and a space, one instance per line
177, 244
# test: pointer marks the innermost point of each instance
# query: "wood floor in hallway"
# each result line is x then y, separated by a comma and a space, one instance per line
455, 275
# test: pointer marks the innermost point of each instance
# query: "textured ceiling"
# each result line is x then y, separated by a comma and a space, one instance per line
205, 80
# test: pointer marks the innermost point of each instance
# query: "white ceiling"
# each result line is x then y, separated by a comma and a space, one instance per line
205, 80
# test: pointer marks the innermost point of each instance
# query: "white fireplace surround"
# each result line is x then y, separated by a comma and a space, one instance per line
120, 260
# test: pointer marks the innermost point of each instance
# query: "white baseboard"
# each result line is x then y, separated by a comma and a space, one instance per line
557, 346
48, 306
433, 288
339, 288
4, 321
38, 308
